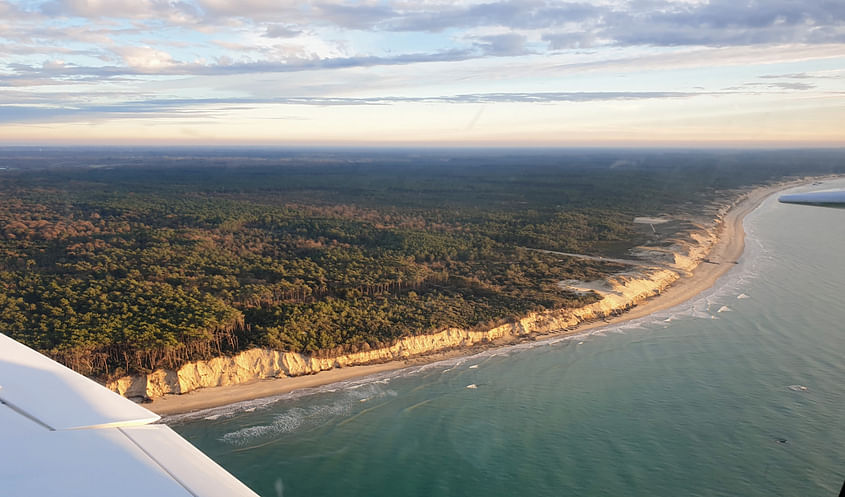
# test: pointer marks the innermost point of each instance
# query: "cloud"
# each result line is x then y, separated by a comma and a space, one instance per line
146, 60
175, 107
123, 45
799, 75
352, 16
780, 85
257, 9
143, 59
729, 22
562, 41
562, 25
281, 31
224, 37
529, 14
697, 57
784, 85
173, 11
128, 63
9, 10
551, 97
502, 45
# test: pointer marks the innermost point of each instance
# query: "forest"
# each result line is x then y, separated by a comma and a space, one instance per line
117, 261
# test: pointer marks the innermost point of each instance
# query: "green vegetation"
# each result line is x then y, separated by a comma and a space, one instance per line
155, 259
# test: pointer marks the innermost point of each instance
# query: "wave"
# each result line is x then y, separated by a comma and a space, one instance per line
750, 267
357, 390
798, 388
297, 418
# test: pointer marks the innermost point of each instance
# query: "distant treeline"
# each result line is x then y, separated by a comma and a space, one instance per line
121, 262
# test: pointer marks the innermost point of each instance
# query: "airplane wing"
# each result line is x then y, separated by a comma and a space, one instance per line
64, 434
821, 199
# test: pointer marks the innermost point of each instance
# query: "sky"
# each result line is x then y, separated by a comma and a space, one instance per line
755, 73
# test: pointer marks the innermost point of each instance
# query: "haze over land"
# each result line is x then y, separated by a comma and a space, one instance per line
614, 72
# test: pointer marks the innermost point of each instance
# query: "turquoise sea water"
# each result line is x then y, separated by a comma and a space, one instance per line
738, 392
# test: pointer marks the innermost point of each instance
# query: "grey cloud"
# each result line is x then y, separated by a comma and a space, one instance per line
799, 75
208, 106
671, 36
784, 85
780, 85
254, 9
513, 14
177, 68
729, 22
567, 25
550, 97
560, 41
281, 31
756, 13
399, 16
9, 10
793, 86
445, 17
648, 22
578, 24
22, 114
353, 16
18, 81
502, 45
25, 49
156, 9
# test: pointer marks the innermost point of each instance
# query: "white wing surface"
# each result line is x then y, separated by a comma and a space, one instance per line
821, 199
63, 434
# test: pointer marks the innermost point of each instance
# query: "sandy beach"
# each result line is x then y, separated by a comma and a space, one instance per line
723, 256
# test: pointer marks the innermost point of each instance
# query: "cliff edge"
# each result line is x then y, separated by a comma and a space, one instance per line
620, 292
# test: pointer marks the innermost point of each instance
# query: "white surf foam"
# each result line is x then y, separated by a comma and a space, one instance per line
753, 264
296, 418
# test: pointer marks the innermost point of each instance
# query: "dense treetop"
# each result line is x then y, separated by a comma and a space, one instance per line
117, 261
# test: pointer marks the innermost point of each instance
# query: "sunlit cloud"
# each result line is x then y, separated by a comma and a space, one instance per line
118, 63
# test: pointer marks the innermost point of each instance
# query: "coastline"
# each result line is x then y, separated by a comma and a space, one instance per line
728, 248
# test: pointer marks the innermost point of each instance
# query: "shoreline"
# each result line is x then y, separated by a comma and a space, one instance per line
721, 258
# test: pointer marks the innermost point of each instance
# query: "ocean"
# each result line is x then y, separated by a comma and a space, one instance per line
740, 391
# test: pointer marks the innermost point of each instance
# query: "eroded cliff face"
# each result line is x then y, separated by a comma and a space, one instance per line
627, 291
619, 293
